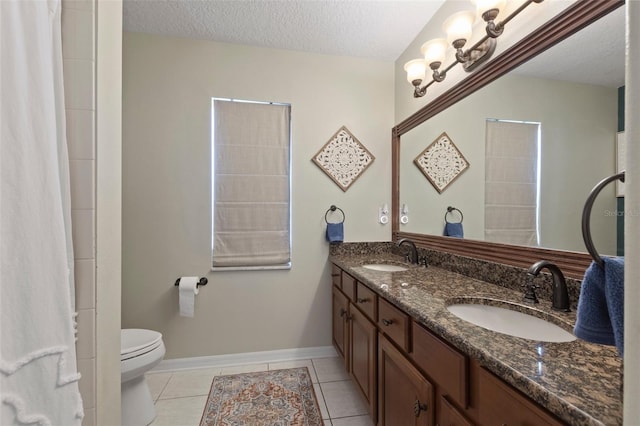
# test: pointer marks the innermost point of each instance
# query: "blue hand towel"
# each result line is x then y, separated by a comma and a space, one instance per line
453, 230
335, 232
600, 316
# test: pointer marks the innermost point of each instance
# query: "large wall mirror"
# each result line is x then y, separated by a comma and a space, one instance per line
569, 92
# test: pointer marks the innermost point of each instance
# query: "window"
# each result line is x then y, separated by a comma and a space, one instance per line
251, 187
512, 153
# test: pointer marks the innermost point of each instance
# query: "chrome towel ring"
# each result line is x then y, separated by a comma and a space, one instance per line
586, 215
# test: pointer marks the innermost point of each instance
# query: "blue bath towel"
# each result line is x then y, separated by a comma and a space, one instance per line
335, 232
600, 316
453, 230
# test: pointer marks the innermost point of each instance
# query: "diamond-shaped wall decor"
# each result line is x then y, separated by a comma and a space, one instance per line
343, 158
441, 162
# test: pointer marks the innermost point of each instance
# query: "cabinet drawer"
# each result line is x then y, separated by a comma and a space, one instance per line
349, 286
336, 276
444, 364
394, 323
499, 403
367, 301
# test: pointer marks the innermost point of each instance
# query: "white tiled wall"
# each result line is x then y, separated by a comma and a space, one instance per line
78, 48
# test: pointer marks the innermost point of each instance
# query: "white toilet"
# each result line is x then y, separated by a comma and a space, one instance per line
140, 351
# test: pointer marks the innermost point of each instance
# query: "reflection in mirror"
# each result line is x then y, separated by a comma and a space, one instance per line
572, 92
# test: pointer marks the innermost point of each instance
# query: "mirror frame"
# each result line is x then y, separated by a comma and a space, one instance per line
577, 16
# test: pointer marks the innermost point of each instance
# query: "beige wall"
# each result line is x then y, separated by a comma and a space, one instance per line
578, 132
168, 85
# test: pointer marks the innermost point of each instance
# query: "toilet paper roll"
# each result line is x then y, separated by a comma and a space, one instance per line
188, 290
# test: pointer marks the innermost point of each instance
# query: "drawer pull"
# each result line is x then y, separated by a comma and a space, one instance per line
387, 322
418, 407
361, 300
343, 312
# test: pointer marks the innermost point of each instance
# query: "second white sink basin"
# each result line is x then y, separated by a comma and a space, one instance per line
385, 267
511, 322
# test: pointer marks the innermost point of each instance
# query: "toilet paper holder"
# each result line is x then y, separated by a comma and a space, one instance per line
202, 281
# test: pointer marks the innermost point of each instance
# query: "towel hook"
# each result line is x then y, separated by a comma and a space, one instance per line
586, 215
333, 209
449, 210
202, 281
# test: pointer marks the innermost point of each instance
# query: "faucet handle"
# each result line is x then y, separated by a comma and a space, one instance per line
530, 293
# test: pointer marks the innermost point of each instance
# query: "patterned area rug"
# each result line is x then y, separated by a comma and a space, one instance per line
268, 398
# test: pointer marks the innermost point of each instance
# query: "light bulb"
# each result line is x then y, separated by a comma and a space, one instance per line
415, 69
459, 26
434, 50
484, 5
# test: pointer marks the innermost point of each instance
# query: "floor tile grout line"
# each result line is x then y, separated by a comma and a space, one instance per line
164, 387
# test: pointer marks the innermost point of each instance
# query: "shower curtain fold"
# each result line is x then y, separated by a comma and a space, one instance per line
38, 367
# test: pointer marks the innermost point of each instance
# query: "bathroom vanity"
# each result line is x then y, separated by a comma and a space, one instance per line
416, 363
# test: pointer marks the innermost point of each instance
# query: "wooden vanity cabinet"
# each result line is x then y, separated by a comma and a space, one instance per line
340, 310
405, 396
336, 276
394, 323
450, 416
349, 286
410, 376
500, 404
355, 336
363, 356
448, 369
442, 363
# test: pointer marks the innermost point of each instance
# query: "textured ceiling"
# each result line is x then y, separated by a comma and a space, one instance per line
594, 55
379, 29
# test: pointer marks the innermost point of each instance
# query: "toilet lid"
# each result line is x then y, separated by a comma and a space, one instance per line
137, 341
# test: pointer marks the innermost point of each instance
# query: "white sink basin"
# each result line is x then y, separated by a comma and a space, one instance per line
385, 267
511, 322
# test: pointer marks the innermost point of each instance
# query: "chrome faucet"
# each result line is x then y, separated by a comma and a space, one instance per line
560, 300
412, 256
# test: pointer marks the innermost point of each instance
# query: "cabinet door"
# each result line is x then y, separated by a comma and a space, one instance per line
362, 357
405, 397
499, 404
449, 416
443, 364
339, 323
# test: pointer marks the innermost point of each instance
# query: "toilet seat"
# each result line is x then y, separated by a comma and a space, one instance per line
135, 342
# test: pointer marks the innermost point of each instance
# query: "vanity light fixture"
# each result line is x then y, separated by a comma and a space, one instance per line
459, 29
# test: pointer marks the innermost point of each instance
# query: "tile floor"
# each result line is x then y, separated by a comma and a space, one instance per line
180, 396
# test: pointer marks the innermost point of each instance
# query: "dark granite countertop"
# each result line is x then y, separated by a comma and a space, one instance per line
580, 382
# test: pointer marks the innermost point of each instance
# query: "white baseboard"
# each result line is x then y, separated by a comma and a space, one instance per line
243, 358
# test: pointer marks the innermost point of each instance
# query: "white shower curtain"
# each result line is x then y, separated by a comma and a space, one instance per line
38, 371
